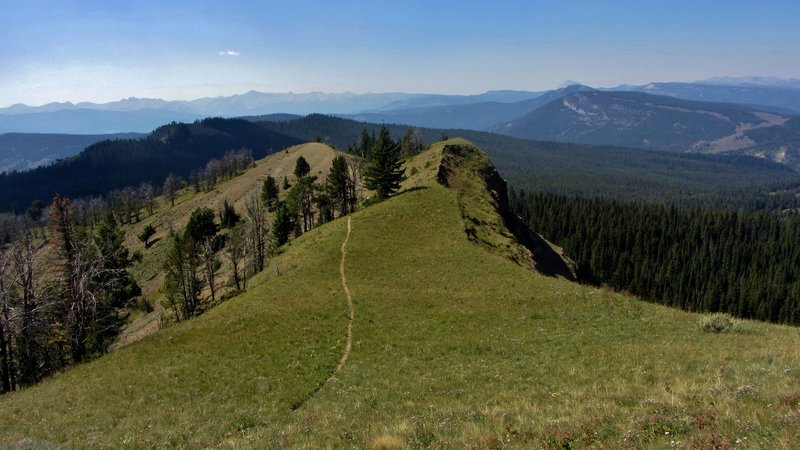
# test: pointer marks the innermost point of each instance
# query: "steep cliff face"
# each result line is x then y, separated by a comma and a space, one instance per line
488, 219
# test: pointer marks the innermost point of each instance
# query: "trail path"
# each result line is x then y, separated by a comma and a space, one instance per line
350, 312
349, 342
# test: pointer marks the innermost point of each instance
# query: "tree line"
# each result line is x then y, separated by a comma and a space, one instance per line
743, 263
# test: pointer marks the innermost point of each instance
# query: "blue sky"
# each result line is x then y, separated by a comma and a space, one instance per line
103, 50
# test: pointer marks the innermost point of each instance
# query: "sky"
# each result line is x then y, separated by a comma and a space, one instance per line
104, 50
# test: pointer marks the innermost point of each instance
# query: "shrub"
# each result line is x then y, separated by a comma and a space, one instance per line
146, 234
718, 323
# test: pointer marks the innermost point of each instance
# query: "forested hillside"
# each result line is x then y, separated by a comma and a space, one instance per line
114, 164
736, 181
745, 264
25, 151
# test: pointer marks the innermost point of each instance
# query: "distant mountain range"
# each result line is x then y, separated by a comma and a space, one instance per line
748, 115
792, 83
473, 116
778, 99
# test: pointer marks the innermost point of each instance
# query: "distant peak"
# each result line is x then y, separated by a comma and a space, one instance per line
568, 83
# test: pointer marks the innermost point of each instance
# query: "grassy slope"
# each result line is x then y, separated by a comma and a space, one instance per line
453, 346
150, 274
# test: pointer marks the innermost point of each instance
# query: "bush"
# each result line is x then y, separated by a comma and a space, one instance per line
147, 233
719, 323
145, 305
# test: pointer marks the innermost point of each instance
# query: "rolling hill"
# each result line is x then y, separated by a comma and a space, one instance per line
640, 120
452, 344
24, 151
108, 165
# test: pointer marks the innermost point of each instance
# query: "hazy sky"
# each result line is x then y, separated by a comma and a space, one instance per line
103, 50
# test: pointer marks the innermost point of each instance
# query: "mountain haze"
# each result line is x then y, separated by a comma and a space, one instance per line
472, 116
771, 98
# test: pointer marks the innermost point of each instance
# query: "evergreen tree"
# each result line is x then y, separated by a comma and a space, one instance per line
201, 225
411, 143
364, 145
338, 184
117, 287
269, 193
384, 171
228, 216
301, 168
182, 283
282, 225
35, 210
300, 201
146, 234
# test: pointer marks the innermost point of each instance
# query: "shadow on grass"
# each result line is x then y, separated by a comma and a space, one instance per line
412, 189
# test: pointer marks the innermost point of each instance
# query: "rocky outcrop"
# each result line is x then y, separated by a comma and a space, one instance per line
483, 198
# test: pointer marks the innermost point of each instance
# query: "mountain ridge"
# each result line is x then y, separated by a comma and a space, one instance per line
635, 119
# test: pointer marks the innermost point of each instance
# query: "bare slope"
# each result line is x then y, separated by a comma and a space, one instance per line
452, 346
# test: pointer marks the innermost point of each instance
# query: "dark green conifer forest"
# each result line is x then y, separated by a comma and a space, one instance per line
743, 263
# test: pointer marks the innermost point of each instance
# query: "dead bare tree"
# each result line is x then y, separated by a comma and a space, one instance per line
234, 253
257, 232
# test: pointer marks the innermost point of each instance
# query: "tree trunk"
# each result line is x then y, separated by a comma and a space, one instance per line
5, 373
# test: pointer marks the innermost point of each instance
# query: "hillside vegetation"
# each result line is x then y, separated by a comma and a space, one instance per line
172, 218
24, 151
452, 346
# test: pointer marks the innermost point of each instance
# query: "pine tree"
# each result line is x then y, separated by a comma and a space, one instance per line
338, 185
228, 216
384, 171
282, 225
269, 193
301, 168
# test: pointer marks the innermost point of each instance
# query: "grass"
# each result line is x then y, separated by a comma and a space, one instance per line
149, 272
454, 346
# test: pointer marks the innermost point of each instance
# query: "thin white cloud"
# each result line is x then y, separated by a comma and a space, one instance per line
229, 53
